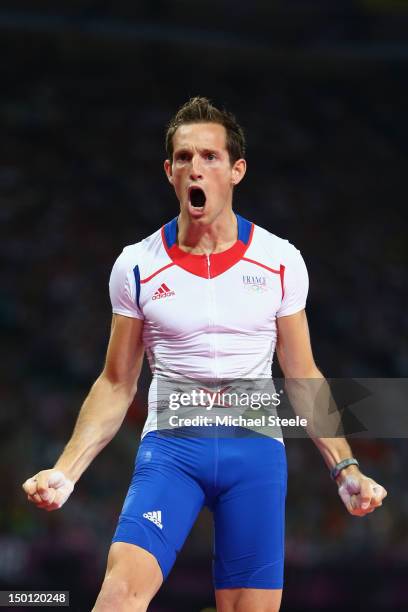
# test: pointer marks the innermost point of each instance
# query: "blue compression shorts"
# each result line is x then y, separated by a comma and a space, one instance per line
240, 478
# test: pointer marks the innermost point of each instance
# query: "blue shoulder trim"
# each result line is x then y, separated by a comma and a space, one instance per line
136, 272
170, 232
244, 229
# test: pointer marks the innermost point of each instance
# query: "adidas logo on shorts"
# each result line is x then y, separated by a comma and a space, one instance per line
155, 517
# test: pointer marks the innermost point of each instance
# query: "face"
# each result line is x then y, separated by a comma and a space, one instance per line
201, 172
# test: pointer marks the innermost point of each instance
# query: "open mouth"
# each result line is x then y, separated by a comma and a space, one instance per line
197, 197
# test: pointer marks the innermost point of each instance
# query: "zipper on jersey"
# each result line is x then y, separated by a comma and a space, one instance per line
212, 317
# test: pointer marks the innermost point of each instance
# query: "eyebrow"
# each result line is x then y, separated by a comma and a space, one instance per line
203, 151
181, 151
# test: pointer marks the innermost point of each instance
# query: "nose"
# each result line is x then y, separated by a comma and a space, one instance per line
195, 170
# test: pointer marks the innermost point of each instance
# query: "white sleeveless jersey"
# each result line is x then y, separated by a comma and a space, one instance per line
209, 317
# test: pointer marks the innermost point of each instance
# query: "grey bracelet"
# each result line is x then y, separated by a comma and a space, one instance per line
340, 466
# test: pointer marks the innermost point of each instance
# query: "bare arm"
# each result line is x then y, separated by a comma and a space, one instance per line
101, 414
304, 378
298, 366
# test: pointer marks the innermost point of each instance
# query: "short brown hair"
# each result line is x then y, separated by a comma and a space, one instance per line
200, 110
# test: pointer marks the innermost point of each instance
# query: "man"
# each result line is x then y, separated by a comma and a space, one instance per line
208, 296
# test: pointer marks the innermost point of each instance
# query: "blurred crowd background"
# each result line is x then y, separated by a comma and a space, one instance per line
86, 92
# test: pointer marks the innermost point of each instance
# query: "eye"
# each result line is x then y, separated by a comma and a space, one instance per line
182, 157
211, 156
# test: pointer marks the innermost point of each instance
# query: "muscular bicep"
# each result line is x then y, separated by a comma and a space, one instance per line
294, 348
124, 357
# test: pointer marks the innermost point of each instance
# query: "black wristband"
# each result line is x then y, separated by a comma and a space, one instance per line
340, 466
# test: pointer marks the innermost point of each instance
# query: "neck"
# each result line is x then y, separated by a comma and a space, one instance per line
218, 236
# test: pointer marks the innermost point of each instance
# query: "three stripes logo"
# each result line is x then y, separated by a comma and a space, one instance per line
163, 292
155, 517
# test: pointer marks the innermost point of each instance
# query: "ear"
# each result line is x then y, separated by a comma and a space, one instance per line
238, 171
168, 170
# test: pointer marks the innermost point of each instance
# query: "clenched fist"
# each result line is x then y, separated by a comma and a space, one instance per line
361, 495
49, 489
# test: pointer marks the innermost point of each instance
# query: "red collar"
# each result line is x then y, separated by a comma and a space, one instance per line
218, 262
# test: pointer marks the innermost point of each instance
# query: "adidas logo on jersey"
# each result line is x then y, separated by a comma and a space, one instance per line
163, 292
155, 517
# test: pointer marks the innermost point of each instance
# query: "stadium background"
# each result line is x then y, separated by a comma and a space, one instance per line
86, 89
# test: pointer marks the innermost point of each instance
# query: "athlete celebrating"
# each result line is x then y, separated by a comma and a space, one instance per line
209, 297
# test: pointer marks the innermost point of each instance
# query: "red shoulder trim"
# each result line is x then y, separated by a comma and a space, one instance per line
146, 280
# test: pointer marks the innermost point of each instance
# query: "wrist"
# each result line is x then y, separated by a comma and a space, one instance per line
342, 466
69, 474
